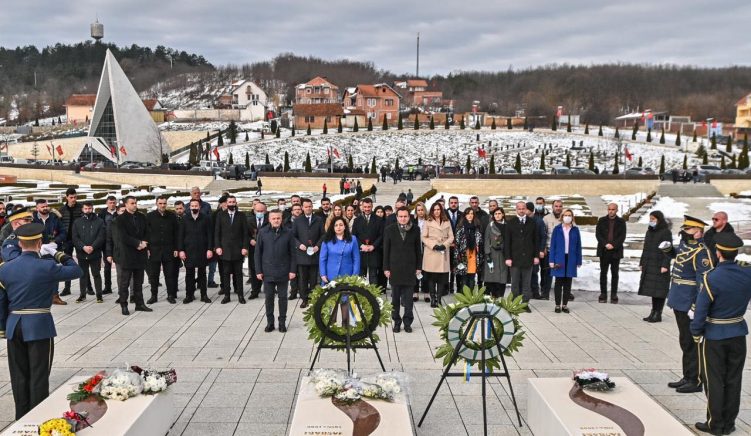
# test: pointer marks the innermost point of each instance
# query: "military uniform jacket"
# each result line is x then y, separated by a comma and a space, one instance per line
692, 260
723, 296
11, 249
163, 233
26, 287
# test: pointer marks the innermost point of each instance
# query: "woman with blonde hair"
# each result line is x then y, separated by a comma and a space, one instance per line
565, 258
335, 212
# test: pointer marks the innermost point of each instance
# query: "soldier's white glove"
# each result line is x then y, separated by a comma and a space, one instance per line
50, 249
665, 245
690, 314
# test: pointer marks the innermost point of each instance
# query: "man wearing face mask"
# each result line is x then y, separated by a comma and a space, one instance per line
692, 260
256, 222
231, 241
107, 215
194, 243
216, 262
162, 239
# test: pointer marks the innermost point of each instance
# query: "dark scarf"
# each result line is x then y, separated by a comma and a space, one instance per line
469, 232
403, 229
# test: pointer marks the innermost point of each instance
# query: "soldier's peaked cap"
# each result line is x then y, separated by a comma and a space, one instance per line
689, 221
727, 241
20, 214
29, 232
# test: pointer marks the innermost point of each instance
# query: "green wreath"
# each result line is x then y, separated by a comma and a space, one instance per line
452, 321
322, 301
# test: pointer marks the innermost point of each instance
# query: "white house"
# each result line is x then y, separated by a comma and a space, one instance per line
250, 99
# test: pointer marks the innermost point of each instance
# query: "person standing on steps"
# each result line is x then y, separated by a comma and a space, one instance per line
611, 234
194, 243
130, 235
654, 265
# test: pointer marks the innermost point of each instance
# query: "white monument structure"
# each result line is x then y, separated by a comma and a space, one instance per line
121, 127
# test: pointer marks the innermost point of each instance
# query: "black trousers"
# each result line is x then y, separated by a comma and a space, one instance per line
722, 378
401, 296
269, 289
170, 280
255, 284
29, 364
94, 266
69, 251
495, 290
307, 279
124, 278
609, 262
191, 280
437, 284
562, 290
468, 280
372, 274
545, 279
107, 275
688, 346
233, 269
657, 304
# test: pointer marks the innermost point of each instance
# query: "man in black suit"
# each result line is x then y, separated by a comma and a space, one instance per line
368, 228
216, 262
308, 233
131, 236
107, 215
521, 251
611, 234
163, 232
231, 241
194, 243
391, 219
88, 239
256, 222
275, 266
454, 215
402, 263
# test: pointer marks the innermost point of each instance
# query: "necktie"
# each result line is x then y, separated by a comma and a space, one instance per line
310, 220
367, 219
259, 223
231, 218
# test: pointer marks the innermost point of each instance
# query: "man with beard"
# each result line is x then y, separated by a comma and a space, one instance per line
368, 229
162, 234
231, 241
720, 224
194, 242
89, 239
216, 261
551, 220
325, 209
611, 234
107, 215
130, 235
455, 216
70, 212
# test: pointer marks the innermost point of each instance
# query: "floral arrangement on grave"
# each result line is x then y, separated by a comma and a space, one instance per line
594, 380
331, 314
123, 384
502, 329
155, 381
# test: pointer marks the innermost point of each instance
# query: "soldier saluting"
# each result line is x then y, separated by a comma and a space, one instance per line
692, 260
27, 284
720, 331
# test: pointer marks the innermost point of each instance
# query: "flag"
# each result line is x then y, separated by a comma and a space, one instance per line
216, 152
559, 112
49, 150
59, 149
714, 124
336, 152
112, 150
122, 150
628, 153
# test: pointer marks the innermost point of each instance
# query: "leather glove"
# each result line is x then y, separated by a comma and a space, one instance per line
440, 247
62, 257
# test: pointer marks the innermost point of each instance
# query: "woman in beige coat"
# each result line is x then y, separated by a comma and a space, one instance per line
437, 237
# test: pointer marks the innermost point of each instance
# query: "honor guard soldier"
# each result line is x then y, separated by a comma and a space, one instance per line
692, 260
27, 284
720, 331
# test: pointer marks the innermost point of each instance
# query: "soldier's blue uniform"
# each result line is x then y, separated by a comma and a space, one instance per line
720, 330
27, 284
692, 260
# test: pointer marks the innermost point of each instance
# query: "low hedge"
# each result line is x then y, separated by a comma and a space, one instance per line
639, 205
108, 187
346, 201
423, 198
63, 185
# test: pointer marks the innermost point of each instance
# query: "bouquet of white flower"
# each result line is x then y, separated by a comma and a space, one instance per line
155, 381
338, 384
593, 379
121, 385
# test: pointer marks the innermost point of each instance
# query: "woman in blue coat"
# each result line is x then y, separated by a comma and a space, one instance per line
565, 258
340, 255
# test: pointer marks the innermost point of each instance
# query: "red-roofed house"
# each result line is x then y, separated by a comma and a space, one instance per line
375, 100
316, 91
418, 94
79, 107
316, 102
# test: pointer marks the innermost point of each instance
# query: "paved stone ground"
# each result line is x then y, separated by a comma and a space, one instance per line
236, 379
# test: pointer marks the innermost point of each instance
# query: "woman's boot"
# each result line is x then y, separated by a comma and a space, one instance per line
649, 318
657, 317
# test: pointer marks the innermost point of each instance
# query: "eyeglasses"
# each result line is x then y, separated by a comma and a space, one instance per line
715, 219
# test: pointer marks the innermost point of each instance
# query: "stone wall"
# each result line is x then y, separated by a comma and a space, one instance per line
87, 178
729, 186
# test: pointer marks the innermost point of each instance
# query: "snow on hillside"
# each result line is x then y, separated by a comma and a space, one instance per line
190, 90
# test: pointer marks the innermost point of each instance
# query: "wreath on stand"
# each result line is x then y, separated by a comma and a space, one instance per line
453, 320
323, 299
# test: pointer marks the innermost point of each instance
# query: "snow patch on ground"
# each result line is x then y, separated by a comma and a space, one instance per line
738, 211
670, 208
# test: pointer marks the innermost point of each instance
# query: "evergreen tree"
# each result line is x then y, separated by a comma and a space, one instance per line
662, 165
232, 132
722, 163
247, 160
396, 164
59, 121
542, 160
220, 140
733, 163
694, 138
635, 131
274, 126
192, 154
419, 161
268, 162
339, 125
293, 130
743, 158
685, 161
370, 124
208, 149
432, 123
231, 160
308, 132
617, 134
350, 163
616, 170
554, 127
639, 163
477, 124
325, 126
526, 124
713, 142
262, 134
53, 123
662, 136
491, 170
443, 161
586, 129
729, 146
599, 132
446, 123
247, 138
700, 150
36, 122
286, 162
591, 161
705, 159
461, 123
373, 169
568, 160
492, 125
308, 166
568, 125
417, 122
355, 128
649, 135
509, 125
385, 125
518, 163
678, 139
468, 165
400, 123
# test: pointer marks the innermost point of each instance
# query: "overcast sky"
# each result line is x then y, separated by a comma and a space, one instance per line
455, 35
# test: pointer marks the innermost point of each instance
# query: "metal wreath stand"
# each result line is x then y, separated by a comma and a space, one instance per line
344, 293
479, 313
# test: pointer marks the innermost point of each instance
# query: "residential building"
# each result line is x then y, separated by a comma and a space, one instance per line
79, 107
743, 116
418, 93
315, 115
317, 91
376, 101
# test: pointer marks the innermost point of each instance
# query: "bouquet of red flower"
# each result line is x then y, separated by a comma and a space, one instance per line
87, 388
